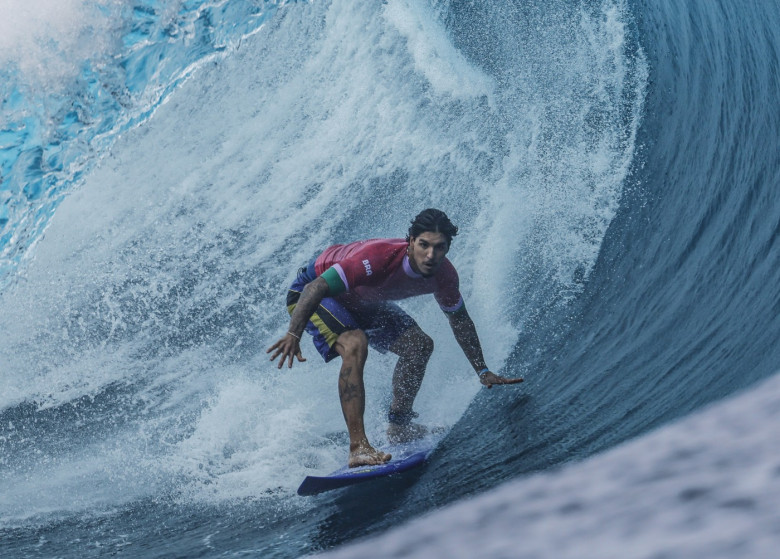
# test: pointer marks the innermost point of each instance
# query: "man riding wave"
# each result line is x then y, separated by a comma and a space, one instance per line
344, 299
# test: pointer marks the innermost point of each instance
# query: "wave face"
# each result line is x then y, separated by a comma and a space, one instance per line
681, 308
611, 165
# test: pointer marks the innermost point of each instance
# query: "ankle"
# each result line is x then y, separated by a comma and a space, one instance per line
401, 417
360, 444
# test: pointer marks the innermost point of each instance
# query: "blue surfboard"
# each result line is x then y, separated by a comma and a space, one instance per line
405, 457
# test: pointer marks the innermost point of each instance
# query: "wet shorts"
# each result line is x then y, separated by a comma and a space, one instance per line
382, 322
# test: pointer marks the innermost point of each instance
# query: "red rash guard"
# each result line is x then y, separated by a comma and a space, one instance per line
379, 270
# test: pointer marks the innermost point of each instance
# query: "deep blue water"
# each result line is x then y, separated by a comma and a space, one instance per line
614, 168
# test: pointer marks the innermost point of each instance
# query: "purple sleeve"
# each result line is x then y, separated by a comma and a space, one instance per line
447, 293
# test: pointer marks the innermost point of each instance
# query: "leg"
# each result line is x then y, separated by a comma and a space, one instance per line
335, 332
352, 345
414, 348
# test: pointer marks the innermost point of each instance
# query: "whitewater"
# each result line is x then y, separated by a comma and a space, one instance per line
613, 166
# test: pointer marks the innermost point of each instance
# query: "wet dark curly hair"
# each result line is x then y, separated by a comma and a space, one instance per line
432, 221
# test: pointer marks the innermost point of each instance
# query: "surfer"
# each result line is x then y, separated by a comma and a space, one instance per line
344, 299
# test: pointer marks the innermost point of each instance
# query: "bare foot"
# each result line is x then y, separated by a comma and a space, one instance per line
397, 434
366, 455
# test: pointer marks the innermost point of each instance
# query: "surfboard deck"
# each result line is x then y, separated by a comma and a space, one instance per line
405, 457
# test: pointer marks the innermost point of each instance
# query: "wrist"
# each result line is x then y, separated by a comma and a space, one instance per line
294, 335
482, 372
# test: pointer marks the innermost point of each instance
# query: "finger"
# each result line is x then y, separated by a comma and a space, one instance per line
498, 379
292, 354
275, 355
273, 347
283, 353
300, 356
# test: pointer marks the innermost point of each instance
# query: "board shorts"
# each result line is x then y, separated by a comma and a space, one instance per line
383, 322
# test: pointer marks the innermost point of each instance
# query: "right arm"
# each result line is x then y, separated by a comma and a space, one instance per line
289, 345
313, 294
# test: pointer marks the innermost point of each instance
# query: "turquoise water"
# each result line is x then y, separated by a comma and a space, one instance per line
102, 71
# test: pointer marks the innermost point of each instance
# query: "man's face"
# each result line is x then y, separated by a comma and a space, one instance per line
427, 252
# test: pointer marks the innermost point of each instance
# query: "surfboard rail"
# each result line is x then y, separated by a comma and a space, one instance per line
405, 457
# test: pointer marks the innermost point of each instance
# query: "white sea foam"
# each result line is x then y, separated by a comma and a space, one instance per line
50, 39
433, 53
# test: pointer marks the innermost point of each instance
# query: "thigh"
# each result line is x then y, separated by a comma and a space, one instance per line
328, 322
412, 342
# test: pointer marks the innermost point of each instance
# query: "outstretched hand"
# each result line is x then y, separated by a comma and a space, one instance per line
288, 347
489, 379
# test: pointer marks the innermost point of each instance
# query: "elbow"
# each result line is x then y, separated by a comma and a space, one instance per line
317, 288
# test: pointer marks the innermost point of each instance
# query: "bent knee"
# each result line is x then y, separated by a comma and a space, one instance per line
420, 347
352, 343
426, 345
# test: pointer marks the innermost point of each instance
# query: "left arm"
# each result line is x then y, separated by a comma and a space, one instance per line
466, 335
